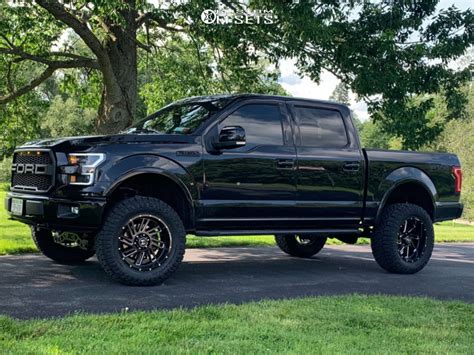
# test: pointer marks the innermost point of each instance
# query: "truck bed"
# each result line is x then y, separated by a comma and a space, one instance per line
434, 169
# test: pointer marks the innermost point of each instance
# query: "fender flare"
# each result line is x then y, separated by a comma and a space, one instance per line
403, 176
139, 164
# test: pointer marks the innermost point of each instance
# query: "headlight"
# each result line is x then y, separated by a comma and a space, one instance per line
82, 167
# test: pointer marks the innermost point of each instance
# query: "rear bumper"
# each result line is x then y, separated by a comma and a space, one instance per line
60, 214
447, 210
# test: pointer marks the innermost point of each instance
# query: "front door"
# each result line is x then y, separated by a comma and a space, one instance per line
253, 186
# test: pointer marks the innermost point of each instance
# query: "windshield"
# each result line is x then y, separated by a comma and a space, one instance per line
180, 118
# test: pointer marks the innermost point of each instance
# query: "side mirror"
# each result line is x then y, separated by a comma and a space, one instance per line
230, 137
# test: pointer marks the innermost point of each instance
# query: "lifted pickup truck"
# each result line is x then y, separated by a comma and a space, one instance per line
229, 165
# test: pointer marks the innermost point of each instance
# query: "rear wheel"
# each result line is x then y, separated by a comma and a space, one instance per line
403, 240
300, 246
141, 242
64, 247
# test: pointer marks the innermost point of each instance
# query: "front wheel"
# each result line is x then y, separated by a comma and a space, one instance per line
403, 240
141, 242
300, 246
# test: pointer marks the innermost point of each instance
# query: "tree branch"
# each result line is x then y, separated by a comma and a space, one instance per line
68, 55
77, 62
62, 14
159, 21
23, 90
107, 29
40, 79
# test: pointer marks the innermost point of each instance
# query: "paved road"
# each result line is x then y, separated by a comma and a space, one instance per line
33, 286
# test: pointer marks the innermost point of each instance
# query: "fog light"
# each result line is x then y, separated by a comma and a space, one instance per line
75, 210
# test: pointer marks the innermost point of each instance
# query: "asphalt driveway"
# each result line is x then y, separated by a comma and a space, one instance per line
34, 286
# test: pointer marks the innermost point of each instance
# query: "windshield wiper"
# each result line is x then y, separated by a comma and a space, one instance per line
143, 130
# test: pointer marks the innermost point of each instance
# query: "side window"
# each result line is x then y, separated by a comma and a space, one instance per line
321, 127
262, 124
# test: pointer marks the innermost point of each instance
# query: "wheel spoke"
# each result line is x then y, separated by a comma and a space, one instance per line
140, 259
144, 225
405, 226
131, 229
126, 241
158, 244
128, 237
152, 255
130, 253
402, 250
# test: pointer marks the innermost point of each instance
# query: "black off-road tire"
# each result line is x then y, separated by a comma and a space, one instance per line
384, 239
107, 242
290, 245
44, 241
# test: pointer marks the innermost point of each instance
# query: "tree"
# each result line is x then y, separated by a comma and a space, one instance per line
66, 118
383, 50
20, 121
340, 94
374, 136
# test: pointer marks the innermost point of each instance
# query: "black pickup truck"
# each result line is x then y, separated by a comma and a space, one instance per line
229, 165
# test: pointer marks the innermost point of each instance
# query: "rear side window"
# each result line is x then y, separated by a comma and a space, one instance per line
321, 127
262, 124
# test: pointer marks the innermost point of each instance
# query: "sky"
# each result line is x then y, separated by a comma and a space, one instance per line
302, 86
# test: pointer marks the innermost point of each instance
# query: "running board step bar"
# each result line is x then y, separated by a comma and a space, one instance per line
321, 232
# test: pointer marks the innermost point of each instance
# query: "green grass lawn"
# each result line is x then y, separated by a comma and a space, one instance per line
15, 237
343, 324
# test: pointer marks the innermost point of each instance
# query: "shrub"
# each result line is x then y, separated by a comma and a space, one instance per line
5, 169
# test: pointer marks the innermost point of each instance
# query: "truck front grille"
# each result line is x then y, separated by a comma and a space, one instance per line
33, 171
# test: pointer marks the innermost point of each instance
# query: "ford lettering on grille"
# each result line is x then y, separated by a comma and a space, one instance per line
37, 169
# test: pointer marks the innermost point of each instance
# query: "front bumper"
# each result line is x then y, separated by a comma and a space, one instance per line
58, 214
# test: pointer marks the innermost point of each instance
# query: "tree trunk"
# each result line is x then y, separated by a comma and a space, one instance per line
120, 92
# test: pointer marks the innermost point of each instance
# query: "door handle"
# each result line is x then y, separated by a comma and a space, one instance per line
285, 164
351, 166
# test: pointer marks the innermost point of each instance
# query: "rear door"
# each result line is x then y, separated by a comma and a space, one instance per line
330, 166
